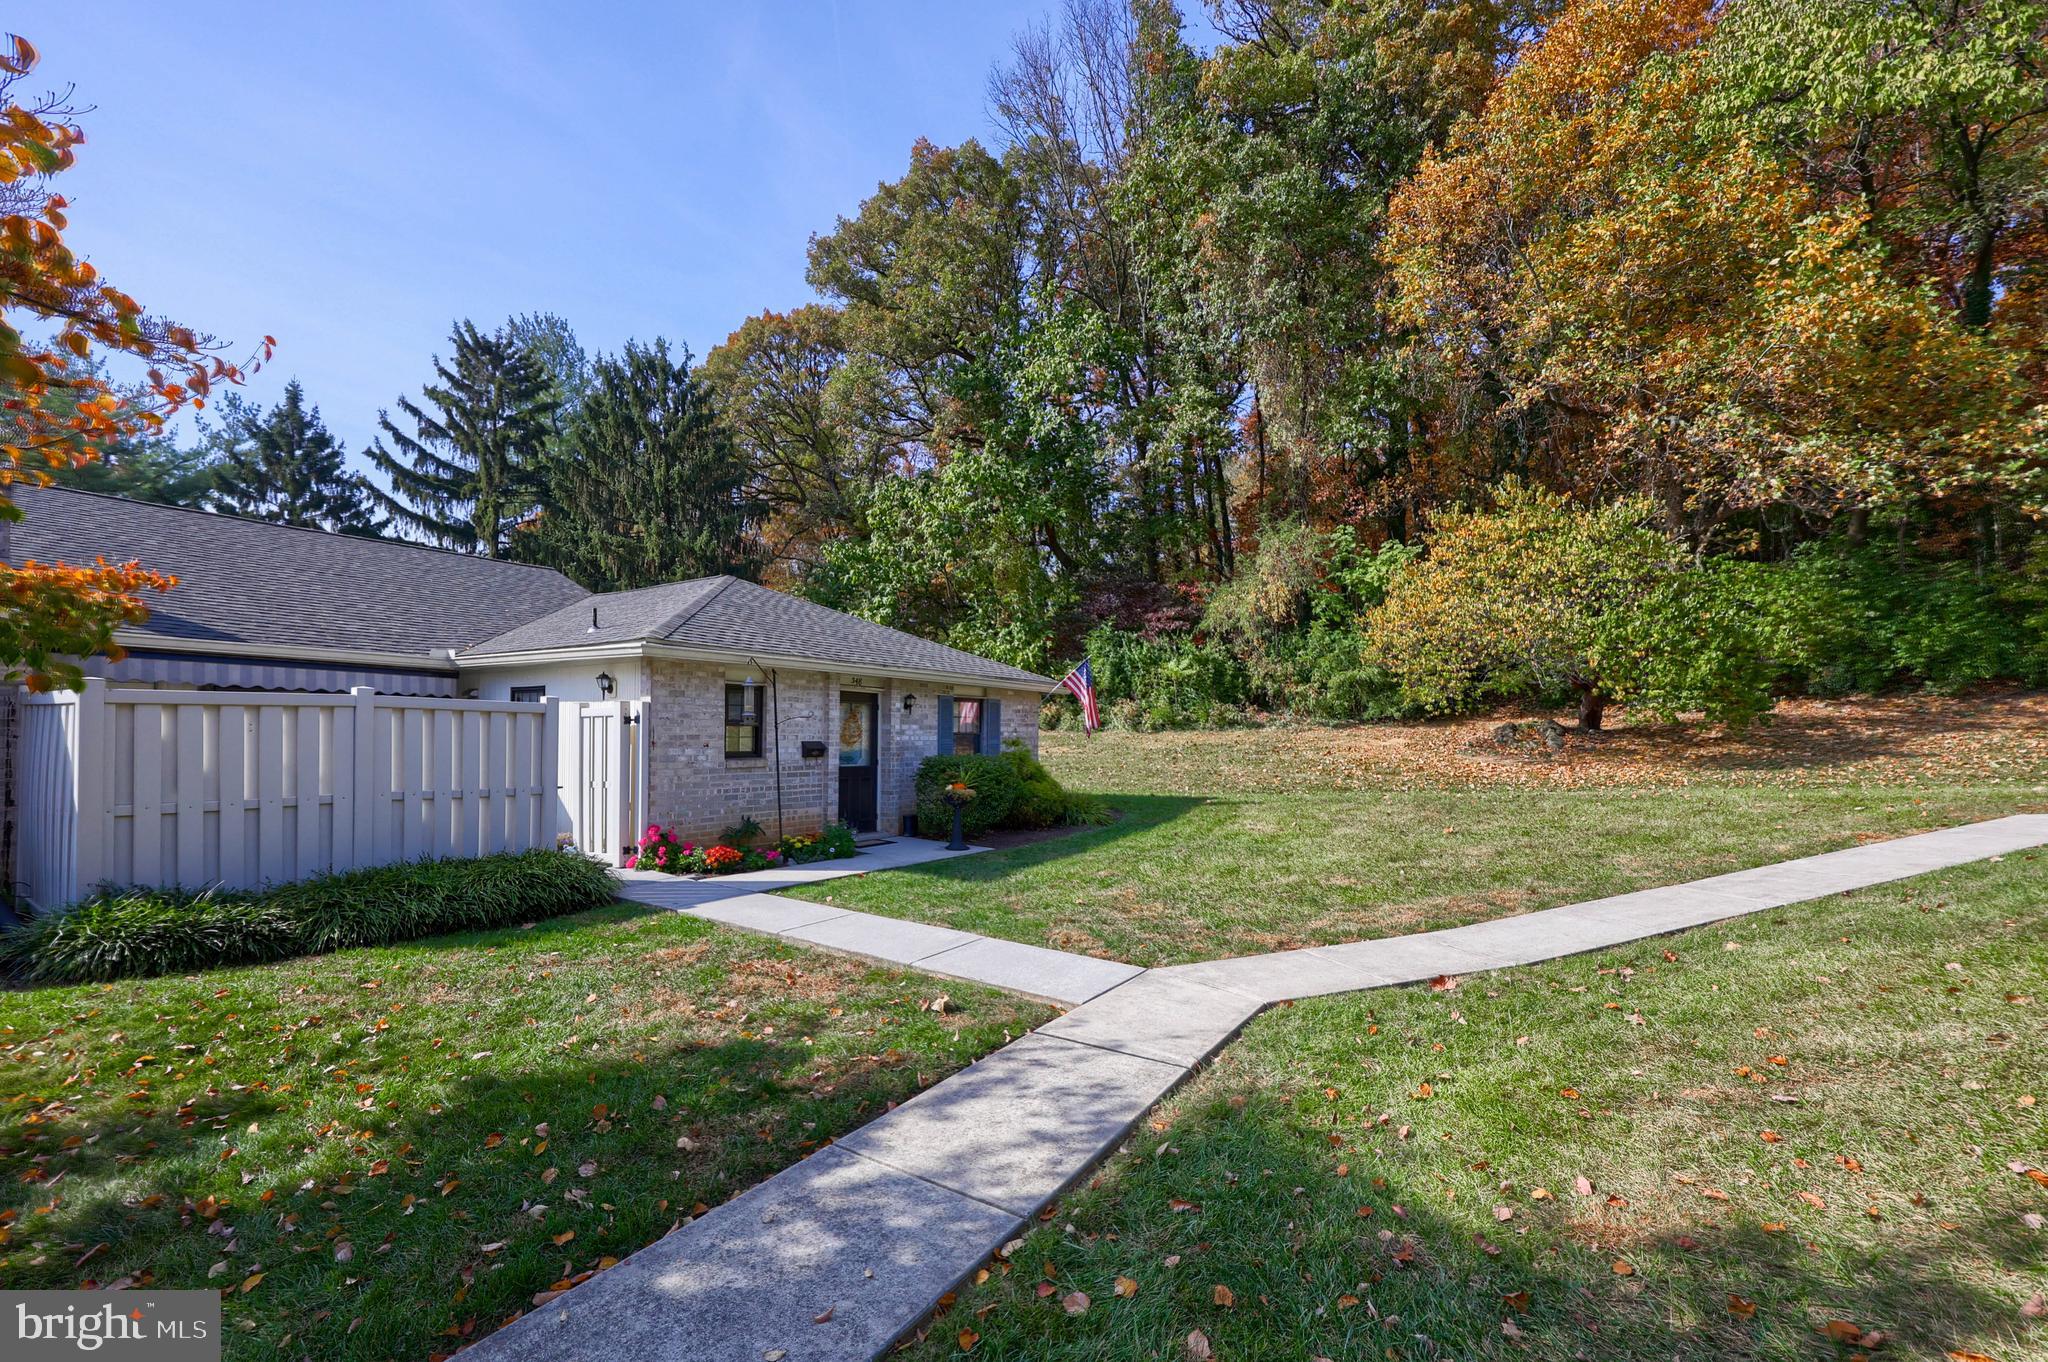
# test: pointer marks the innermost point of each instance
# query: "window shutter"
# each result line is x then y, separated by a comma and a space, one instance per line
945, 747
991, 728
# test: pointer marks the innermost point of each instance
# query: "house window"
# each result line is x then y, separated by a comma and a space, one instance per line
966, 727
742, 721
528, 695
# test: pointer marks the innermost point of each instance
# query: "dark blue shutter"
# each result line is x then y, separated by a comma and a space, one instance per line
945, 748
991, 728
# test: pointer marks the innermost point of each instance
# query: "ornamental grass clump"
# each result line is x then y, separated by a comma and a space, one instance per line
126, 933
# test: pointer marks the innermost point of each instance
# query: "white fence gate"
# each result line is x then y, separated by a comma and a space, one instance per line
604, 775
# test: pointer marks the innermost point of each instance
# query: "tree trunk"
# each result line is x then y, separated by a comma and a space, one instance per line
1592, 708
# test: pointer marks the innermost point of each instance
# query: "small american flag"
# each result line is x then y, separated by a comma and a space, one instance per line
1080, 682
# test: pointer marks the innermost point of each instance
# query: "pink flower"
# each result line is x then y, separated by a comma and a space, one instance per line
632, 861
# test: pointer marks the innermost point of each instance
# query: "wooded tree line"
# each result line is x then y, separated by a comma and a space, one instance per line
1202, 342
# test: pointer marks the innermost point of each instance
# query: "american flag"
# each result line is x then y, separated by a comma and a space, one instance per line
1080, 682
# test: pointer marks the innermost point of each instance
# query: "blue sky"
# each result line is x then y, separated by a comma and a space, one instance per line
352, 177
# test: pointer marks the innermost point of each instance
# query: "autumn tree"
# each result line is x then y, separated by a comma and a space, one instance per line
57, 407
285, 466
1513, 601
811, 466
1608, 295
1931, 119
647, 486
464, 476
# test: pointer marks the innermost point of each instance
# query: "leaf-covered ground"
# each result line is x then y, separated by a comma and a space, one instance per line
1809, 1134
1256, 840
386, 1153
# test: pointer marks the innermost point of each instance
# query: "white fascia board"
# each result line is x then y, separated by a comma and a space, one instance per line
787, 661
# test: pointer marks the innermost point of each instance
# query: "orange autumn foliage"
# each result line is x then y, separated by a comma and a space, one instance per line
1657, 307
55, 409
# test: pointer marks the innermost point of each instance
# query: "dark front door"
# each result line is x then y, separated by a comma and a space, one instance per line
858, 763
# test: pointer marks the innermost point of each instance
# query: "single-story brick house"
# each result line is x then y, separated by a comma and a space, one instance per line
756, 703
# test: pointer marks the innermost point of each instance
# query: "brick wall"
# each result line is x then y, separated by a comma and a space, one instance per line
695, 789
690, 783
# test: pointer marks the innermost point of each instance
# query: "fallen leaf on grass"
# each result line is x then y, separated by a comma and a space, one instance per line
967, 1339
1443, 983
1622, 1269
1198, 1346
251, 1282
565, 1236
1510, 1329
1769, 1136
1126, 1287
1517, 1301
1223, 1296
1854, 1335
1075, 1303
1739, 1307
1583, 1186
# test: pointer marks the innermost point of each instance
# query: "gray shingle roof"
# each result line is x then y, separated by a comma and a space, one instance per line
725, 614
247, 584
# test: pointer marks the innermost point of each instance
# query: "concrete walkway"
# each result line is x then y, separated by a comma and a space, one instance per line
835, 1258
747, 901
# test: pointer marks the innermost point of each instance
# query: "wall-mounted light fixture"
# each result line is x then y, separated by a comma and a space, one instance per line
605, 684
909, 703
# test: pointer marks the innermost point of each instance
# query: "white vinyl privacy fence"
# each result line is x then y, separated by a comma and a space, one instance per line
197, 788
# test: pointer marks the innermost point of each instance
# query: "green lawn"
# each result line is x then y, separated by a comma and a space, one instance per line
1238, 843
1800, 1119
385, 1153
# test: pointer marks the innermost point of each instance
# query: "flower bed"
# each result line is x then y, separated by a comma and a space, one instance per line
660, 849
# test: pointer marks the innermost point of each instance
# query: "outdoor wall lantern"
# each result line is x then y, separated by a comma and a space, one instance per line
605, 684
909, 703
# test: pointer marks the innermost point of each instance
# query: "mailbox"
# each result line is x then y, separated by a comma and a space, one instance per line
813, 749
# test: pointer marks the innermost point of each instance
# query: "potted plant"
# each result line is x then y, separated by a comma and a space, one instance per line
957, 796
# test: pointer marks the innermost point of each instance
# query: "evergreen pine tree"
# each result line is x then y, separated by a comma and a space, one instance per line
465, 477
286, 467
649, 486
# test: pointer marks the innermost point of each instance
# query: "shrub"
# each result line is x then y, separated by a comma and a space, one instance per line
129, 932
1508, 601
1043, 802
743, 833
1292, 614
1717, 640
1167, 682
834, 843
993, 780
1908, 620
